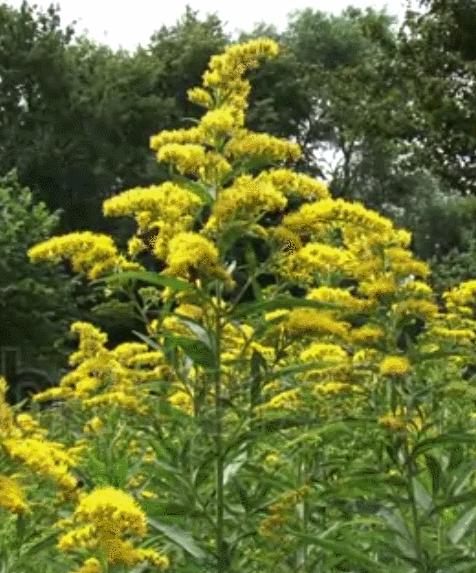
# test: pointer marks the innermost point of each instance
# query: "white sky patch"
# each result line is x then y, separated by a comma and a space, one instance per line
128, 24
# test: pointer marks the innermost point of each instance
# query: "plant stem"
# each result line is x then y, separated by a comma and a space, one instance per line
222, 561
414, 509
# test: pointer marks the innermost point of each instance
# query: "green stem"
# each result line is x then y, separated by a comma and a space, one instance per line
222, 562
414, 509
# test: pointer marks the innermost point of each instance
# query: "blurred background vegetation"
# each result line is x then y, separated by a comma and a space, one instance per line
385, 112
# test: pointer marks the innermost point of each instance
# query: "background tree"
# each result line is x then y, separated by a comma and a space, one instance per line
385, 115
36, 304
437, 58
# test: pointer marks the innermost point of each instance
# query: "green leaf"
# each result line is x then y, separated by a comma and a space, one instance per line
449, 438
148, 277
395, 521
39, 546
149, 341
258, 366
468, 497
233, 467
422, 497
461, 478
461, 527
195, 187
195, 349
434, 469
342, 548
277, 303
180, 537
234, 232
198, 330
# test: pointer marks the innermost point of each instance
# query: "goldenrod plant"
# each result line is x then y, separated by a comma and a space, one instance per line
299, 398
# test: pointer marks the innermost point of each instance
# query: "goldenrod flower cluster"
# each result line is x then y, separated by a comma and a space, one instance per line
90, 253
395, 366
400, 421
25, 446
105, 377
461, 298
280, 512
247, 199
337, 347
12, 496
192, 255
104, 520
48, 459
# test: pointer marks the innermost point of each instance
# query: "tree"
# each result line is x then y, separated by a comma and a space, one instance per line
437, 58
76, 117
36, 303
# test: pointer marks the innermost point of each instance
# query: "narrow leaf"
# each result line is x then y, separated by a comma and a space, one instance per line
148, 277
461, 527
180, 537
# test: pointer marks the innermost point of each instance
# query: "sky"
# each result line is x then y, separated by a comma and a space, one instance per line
129, 23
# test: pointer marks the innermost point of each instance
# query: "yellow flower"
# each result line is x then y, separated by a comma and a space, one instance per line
287, 400
49, 459
272, 460
182, 400
28, 425
93, 425
329, 353
313, 322
317, 258
403, 264
139, 479
146, 494
91, 341
90, 253
288, 241
461, 297
12, 496
394, 366
246, 199
248, 144
422, 308
218, 122
161, 211
187, 157
296, 184
364, 357
332, 388
314, 217
112, 510
101, 521
149, 455
366, 334
461, 335
193, 135
400, 421
91, 565
339, 297
200, 97
116, 398
392, 422
380, 286
192, 255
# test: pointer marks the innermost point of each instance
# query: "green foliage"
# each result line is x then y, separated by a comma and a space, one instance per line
36, 304
438, 62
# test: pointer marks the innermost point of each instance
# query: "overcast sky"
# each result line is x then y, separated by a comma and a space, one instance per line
128, 23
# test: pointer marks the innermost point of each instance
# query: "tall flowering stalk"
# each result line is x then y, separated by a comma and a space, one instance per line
275, 316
